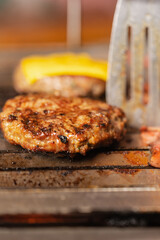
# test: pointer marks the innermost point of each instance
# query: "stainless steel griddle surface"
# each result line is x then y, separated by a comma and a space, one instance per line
53, 189
122, 165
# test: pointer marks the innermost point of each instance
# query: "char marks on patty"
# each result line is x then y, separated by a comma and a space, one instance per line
43, 122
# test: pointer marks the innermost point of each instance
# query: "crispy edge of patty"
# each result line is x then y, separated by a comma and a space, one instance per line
67, 86
104, 134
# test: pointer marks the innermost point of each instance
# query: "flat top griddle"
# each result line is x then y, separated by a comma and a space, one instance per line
122, 165
47, 188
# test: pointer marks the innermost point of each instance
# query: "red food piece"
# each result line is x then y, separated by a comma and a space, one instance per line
151, 137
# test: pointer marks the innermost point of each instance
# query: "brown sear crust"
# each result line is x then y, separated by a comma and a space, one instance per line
66, 86
43, 122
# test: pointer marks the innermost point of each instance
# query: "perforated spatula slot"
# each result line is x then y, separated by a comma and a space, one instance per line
136, 31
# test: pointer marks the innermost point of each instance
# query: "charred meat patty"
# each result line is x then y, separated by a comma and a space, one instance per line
42, 122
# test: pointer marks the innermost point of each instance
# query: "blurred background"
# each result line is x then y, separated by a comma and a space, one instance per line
48, 26
29, 22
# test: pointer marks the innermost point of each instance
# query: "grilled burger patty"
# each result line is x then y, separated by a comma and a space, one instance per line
42, 122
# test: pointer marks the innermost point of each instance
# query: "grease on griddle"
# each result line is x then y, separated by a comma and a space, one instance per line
132, 172
138, 158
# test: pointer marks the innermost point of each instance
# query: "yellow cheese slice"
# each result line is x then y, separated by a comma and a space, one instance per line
37, 67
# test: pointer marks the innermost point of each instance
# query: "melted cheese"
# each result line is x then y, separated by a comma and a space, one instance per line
38, 67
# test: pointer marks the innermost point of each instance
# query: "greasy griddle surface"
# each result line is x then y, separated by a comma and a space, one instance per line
124, 164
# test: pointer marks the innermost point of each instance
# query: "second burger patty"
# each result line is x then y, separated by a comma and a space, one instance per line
42, 122
66, 86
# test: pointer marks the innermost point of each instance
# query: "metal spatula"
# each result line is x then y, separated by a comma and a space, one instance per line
138, 15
